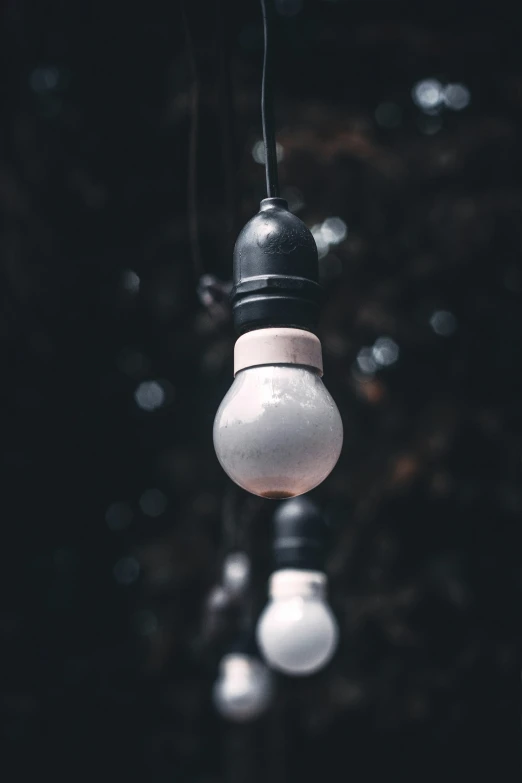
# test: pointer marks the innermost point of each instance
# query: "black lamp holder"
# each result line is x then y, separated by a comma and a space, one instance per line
276, 267
300, 535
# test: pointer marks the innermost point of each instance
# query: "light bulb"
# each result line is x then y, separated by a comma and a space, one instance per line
297, 632
278, 432
236, 573
243, 689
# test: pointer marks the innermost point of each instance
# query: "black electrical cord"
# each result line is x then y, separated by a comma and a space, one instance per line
267, 112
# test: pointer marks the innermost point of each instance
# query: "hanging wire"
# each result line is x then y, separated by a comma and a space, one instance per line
192, 196
229, 147
267, 113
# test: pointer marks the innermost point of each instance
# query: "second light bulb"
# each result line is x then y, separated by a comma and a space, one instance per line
297, 632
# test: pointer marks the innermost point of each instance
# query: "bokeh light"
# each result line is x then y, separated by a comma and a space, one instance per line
428, 94
153, 502
432, 96
385, 351
443, 323
456, 96
131, 281
258, 152
118, 516
127, 570
366, 360
149, 395
334, 230
331, 231
44, 78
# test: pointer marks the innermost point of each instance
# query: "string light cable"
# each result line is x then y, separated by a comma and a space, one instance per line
267, 97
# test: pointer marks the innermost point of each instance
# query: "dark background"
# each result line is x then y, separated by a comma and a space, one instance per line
115, 518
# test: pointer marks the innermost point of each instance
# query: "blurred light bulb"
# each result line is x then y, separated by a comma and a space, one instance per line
218, 599
243, 689
236, 573
278, 432
297, 632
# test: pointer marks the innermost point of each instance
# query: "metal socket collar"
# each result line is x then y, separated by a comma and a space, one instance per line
278, 346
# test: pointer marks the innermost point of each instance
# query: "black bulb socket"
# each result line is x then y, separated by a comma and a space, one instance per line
276, 271
300, 535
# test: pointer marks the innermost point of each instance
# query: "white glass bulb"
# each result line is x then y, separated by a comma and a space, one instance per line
243, 689
278, 432
297, 632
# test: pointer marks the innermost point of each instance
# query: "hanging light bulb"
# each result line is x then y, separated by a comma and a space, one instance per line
278, 432
244, 688
297, 632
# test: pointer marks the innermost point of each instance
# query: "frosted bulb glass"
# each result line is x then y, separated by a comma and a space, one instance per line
243, 689
297, 632
278, 432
